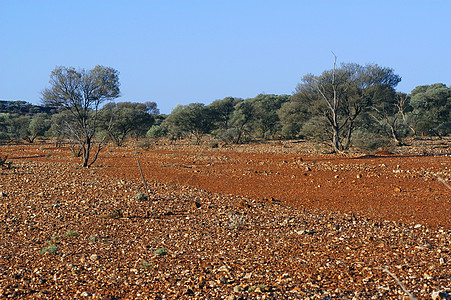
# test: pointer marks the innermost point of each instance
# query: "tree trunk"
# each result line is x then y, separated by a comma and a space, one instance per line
86, 151
336, 140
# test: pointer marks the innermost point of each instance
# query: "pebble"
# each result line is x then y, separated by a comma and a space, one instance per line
94, 257
438, 295
85, 294
237, 289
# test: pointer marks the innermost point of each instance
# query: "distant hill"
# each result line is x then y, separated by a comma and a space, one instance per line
24, 108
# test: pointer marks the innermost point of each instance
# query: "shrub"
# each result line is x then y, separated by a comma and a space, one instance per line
4, 164
71, 233
141, 196
50, 249
146, 265
160, 251
368, 141
236, 221
146, 144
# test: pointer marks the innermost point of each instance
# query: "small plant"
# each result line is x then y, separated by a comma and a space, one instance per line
115, 214
262, 287
53, 249
214, 145
53, 240
146, 144
4, 164
146, 265
236, 221
94, 238
141, 196
71, 233
48, 155
160, 251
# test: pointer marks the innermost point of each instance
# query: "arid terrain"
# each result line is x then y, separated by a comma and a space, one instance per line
277, 220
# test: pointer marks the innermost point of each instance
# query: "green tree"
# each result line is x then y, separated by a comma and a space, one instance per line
293, 115
221, 113
431, 109
241, 121
266, 122
127, 118
38, 126
340, 95
81, 93
18, 127
192, 119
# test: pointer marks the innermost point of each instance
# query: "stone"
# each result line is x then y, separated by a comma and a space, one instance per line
85, 294
223, 269
2, 194
237, 289
438, 295
94, 257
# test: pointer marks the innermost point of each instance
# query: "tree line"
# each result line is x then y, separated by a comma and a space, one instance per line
350, 105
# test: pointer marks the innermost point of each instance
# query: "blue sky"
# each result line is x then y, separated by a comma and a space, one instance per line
180, 52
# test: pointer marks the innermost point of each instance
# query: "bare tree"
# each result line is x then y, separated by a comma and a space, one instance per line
81, 93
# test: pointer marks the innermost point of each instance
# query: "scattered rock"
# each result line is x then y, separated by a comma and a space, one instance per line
439, 295
223, 269
237, 288
94, 257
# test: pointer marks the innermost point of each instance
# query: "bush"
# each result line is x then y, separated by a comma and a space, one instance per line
370, 142
71, 233
160, 251
146, 144
156, 132
50, 249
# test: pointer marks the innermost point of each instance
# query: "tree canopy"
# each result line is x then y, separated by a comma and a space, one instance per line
81, 93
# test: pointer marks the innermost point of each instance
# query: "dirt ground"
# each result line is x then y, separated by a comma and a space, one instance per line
276, 220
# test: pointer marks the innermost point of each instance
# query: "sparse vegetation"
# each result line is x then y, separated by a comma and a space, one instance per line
53, 249
4, 164
71, 233
141, 196
236, 221
146, 265
160, 251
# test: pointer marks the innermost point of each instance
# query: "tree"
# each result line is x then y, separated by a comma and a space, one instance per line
38, 125
221, 112
193, 119
340, 95
18, 127
81, 93
431, 109
127, 118
266, 122
241, 121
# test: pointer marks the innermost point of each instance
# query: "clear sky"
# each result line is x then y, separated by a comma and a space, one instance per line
180, 52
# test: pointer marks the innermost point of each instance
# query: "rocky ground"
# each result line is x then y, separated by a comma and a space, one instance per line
269, 221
